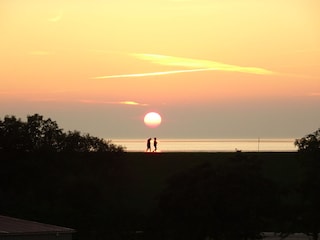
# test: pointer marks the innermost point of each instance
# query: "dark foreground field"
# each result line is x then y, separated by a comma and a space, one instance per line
148, 172
112, 196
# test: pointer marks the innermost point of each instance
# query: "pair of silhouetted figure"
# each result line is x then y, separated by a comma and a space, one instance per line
155, 143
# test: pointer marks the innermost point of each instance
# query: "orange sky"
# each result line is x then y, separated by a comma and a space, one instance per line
101, 56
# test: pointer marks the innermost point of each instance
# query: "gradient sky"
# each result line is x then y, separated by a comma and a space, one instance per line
211, 68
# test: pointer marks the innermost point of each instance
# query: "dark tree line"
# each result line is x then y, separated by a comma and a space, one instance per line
309, 149
310, 143
39, 134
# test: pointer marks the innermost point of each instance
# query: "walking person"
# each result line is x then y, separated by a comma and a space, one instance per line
155, 143
148, 145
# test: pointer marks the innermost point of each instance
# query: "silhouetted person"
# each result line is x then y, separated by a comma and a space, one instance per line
155, 143
148, 145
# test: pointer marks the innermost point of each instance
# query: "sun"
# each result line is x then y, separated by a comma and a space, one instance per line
152, 119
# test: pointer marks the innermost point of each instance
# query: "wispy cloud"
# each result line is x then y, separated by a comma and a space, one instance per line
56, 18
199, 64
189, 64
132, 103
152, 73
84, 101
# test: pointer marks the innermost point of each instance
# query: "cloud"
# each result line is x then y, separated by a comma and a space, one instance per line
132, 103
199, 64
85, 101
191, 65
56, 18
152, 73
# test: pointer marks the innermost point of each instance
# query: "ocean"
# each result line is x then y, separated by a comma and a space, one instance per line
210, 145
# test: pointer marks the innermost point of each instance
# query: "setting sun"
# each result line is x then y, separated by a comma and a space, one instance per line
152, 119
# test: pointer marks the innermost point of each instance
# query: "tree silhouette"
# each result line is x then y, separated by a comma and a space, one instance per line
42, 134
12, 134
39, 134
309, 143
309, 149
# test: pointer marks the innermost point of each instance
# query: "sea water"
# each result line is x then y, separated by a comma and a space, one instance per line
210, 145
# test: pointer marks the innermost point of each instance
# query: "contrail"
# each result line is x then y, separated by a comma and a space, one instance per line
154, 73
194, 65
198, 64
